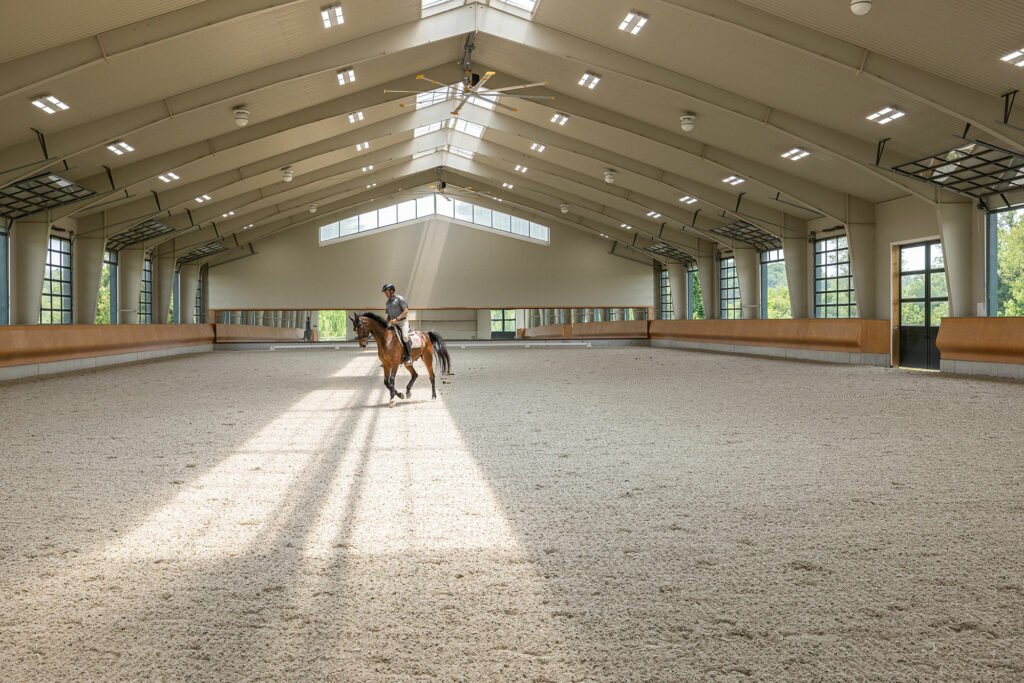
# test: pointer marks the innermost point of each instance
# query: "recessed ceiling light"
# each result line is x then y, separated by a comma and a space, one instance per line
1016, 58
537, 147
688, 200
508, 186
653, 214
168, 177
49, 104
247, 226
627, 227
371, 185
346, 75
356, 116
229, 213
633, 22
589, 80
367, 168
560, 118
885, 115
796, 154
521, 168
362, 145
202, 198
733, 180
120, 147
332, 16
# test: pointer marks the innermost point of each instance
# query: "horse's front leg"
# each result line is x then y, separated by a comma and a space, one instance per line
412, 380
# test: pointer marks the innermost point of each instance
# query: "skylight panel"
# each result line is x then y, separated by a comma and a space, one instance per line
467, 127
346, 75
886, 115
427, 129
688, 200
1016, 58
733, 180
560, 118
633, 22
50, 104
435, 96
355, 116
203, 198
424, 153
508, 186
168, 177
796, 154
461, 151
589, 80
528, 5
653, 214
120, 147
362, 146
537, 147
332, 16
427, 4
521, 168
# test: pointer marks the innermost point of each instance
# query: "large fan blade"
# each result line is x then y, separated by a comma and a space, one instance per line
528, 97
406, 92
462, 103
519, 87
431, 80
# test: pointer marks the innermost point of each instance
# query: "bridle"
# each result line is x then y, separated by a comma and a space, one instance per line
362, 331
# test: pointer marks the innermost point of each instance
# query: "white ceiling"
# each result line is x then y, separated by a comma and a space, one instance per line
763, 76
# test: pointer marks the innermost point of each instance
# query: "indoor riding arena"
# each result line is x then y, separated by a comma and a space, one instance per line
511, 340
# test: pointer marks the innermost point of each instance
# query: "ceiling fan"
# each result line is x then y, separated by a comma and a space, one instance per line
473, 86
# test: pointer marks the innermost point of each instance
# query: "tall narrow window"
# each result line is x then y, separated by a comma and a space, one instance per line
503, 323
667, 309
774, 286
175, 316
197, 311
730, 289
106, 302
5, 237
833, 279
146, 293
1006, 263
55, 306
694, 297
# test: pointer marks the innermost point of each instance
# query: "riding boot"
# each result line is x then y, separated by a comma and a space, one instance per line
406, 353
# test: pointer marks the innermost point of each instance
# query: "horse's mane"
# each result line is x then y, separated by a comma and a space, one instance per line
376, 318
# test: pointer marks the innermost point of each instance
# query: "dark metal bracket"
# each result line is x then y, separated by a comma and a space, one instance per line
880, 151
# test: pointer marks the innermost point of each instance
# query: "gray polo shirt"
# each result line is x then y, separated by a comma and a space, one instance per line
395, 306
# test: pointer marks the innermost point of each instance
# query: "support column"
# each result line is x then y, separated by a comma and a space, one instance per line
483, 323
707, 271
28, 263
188, 280
795, 252
88, 271
677, 287
163, 283
956, 222
860, 233
749, 283
129, 283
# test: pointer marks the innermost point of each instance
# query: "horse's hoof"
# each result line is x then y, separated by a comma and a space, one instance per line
400, 395
392, 404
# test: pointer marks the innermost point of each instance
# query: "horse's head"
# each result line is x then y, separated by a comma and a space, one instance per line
362, 331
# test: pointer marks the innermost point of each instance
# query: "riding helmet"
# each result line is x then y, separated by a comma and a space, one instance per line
387, 287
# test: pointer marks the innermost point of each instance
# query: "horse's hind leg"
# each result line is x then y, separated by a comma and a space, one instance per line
428, 360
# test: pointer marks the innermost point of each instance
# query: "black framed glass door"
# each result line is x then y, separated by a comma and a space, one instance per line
924, 300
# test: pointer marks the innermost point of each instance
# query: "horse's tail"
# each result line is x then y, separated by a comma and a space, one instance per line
441, 350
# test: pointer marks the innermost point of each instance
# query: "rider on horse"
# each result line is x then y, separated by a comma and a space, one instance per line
398, 317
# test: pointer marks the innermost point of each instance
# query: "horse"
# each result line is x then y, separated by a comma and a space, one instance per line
390, 350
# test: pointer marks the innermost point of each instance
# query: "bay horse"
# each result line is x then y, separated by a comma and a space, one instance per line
390, 350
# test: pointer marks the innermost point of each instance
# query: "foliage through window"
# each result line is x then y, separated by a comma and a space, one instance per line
106, 302
833, 279
333, 325
1006, 263
695, 298
730, 289
146, 293
503, 323
774, 286
55, 307
924, 300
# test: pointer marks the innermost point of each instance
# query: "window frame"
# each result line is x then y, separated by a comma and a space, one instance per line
145, 312
821, 292
66, 278
667, 310
729, 306
5, 272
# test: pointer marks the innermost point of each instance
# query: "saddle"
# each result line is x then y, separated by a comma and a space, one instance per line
415, 340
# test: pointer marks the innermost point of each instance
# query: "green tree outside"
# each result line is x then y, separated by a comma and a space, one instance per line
778, 292
333, 325
1010, 263
698, 298
103, 302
